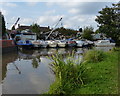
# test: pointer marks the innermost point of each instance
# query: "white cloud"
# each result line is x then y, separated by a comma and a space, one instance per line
47, 20
26, 21
22, 21
79, 21
4, 12
51, 12
11, 4
58, 0
32, 3
73, 11
8, 4
63, 4
80, 13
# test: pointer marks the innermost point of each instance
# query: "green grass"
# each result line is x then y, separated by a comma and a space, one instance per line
94, 56
96, 76
103, 76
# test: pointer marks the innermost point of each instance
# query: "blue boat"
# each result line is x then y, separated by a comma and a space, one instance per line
25, 44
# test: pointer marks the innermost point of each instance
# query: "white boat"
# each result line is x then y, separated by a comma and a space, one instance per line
36, 43
85, 44
61, 43
90, 43
104, 43
80, 43
43, 44
52, 43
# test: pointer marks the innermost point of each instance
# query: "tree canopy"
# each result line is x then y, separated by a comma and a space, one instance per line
87, 33
109, 21
35, 28
66, 32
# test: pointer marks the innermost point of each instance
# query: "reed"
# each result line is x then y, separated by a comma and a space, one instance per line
69, 74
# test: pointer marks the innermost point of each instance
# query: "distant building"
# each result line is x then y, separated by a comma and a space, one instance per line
23, 27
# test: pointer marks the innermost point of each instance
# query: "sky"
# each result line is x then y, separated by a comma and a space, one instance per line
75, 14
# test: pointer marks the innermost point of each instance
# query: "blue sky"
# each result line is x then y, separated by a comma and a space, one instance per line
75, 14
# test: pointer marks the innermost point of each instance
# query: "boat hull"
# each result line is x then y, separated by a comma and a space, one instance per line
111, 45
71, 44
36, 44
79, 45
7, 46
61, 45
43, 45
52, 45
104, 43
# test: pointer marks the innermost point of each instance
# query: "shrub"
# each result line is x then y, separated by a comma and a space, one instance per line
94, 56
69, 74
116, 49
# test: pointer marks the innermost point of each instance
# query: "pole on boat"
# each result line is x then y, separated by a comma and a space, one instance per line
53, 29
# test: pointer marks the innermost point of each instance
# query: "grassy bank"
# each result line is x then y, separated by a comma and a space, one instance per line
97, 74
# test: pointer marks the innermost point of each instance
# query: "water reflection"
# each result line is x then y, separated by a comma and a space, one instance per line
104, 48
6, 59
28, 71
35, 62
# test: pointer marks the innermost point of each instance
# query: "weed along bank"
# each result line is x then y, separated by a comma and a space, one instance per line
96, 74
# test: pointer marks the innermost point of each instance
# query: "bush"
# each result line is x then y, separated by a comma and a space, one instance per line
94, 56
116, 49
69, 74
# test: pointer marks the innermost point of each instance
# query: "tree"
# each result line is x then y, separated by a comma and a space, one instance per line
109, 21
2, 24
66, 32
87, 33
36, 29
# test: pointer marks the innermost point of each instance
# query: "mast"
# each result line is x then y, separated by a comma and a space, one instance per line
13, 27
53, 29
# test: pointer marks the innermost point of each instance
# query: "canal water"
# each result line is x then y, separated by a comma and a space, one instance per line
29, 71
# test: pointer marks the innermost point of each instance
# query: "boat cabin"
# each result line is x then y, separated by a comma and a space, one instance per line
26, 36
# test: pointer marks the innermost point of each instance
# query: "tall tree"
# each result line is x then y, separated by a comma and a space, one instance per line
35, 28
87, 33
109, 23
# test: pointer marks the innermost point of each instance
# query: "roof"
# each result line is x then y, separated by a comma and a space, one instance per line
22, 27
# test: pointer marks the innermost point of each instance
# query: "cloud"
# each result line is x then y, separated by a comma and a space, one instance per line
48, 20
91, 7
11, 4
8, 4
73, 11
80, 7
32, 3
26, 21
22, 21
58, 1
51, 12
79, 21
79, 13
4, 12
